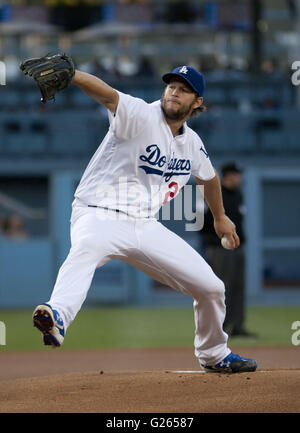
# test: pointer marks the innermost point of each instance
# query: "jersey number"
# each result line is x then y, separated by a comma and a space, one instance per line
170, 194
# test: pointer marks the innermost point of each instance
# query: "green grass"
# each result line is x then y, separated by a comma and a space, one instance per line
144, 327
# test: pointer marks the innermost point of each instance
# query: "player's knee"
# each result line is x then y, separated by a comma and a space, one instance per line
215, 288
220, 288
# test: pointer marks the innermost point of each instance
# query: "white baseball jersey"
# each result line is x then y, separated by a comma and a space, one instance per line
140, 165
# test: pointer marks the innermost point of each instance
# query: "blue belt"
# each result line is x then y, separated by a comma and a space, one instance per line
106, 208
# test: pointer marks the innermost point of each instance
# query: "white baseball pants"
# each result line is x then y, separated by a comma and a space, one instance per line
98, 236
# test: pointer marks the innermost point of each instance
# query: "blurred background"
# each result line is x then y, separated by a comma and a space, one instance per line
246, 50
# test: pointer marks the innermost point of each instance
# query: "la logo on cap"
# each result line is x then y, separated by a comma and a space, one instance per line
184, 70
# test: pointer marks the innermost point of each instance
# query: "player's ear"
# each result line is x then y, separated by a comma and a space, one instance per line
198, 102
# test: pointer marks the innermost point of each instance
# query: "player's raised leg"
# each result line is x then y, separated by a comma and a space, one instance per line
95, 241
72, 284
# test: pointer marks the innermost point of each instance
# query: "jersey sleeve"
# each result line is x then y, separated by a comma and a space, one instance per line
130, 117
201, 165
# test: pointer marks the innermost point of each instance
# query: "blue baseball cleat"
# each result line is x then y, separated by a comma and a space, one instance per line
49, 322
232, 364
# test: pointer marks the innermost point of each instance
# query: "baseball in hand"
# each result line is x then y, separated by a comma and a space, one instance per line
225, 243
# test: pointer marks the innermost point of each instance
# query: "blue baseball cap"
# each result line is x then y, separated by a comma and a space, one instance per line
194, 78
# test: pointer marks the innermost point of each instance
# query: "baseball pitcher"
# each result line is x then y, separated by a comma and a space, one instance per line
146, 157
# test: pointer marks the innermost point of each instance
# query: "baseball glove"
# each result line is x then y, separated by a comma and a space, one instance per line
52, 73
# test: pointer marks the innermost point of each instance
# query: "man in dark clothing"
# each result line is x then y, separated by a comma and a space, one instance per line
229, 265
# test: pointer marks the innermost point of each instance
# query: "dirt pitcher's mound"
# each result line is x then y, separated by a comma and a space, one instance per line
15, 365
154, 391
146, 381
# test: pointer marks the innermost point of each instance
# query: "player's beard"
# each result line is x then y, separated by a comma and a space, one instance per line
178, 114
